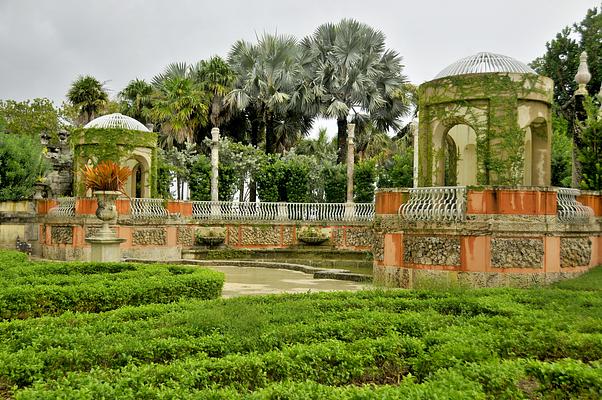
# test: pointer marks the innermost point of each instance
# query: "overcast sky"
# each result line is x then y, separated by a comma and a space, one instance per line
46, 44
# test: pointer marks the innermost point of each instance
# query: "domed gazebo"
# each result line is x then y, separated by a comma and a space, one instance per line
123, 140
485, 120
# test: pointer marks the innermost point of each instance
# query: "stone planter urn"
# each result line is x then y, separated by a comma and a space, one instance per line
105, 244
313, 236
106, 211
211, 236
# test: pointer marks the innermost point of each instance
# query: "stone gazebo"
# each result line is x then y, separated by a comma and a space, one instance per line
121, 139
483, 212
485, 120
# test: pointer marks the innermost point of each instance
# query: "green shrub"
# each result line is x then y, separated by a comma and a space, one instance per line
21, 164
363, 182
270, 180
397, 171
31, 290
335, 183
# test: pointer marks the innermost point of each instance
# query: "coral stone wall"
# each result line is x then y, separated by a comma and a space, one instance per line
63, 238
510, 236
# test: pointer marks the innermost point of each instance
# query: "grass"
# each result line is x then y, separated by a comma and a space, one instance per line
543, 343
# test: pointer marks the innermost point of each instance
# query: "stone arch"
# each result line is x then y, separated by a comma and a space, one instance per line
455, 152
138, 184
537, 153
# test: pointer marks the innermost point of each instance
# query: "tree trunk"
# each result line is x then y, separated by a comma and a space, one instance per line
270, 136
342, 140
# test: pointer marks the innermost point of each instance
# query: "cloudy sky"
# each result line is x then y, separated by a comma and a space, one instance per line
46, 44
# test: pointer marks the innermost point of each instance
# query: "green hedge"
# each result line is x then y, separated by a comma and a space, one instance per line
36, 289
481, 344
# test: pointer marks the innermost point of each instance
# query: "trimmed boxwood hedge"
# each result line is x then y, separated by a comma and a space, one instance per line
33, 289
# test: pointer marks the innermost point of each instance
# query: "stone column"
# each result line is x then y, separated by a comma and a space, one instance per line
214, 171
350, 160
582, 78
349, 206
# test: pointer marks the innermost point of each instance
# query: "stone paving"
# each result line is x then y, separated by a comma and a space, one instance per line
244, 281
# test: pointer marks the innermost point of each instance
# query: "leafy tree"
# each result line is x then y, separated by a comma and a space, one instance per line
89, 96
590, 151
363, 182
351, 70
30, 117
135, 100
21, 164
561, 59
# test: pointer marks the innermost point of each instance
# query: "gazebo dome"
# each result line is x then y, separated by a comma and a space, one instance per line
118, 121
484, 62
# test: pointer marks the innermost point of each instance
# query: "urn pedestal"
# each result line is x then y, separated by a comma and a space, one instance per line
105, 244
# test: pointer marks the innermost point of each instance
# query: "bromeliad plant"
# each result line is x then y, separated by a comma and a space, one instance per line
106, 176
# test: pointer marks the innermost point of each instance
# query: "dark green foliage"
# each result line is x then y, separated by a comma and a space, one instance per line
335, 183
21, 164
363, 182
397, 171
30, 118
562, 150
590, 149
227, 182
199, 179
35, 289
164, 177
296, 181
462, 344
269, 178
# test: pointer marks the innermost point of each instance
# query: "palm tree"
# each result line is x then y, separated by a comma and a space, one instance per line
179, 107
217, 78
136, 99
267, 73
355, 73
89, 96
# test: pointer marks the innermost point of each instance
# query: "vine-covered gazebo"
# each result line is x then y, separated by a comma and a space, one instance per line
485, 120
123, 140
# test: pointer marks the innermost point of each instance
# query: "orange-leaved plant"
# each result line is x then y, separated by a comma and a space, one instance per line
107, 175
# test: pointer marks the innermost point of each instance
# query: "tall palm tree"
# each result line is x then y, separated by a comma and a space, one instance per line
353, 71
267, 73
217, 78
179, 107
89, 96
136, 99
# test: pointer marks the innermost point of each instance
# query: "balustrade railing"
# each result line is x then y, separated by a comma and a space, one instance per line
569, 210
148, 208
267, 211
442, 204
65, 207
